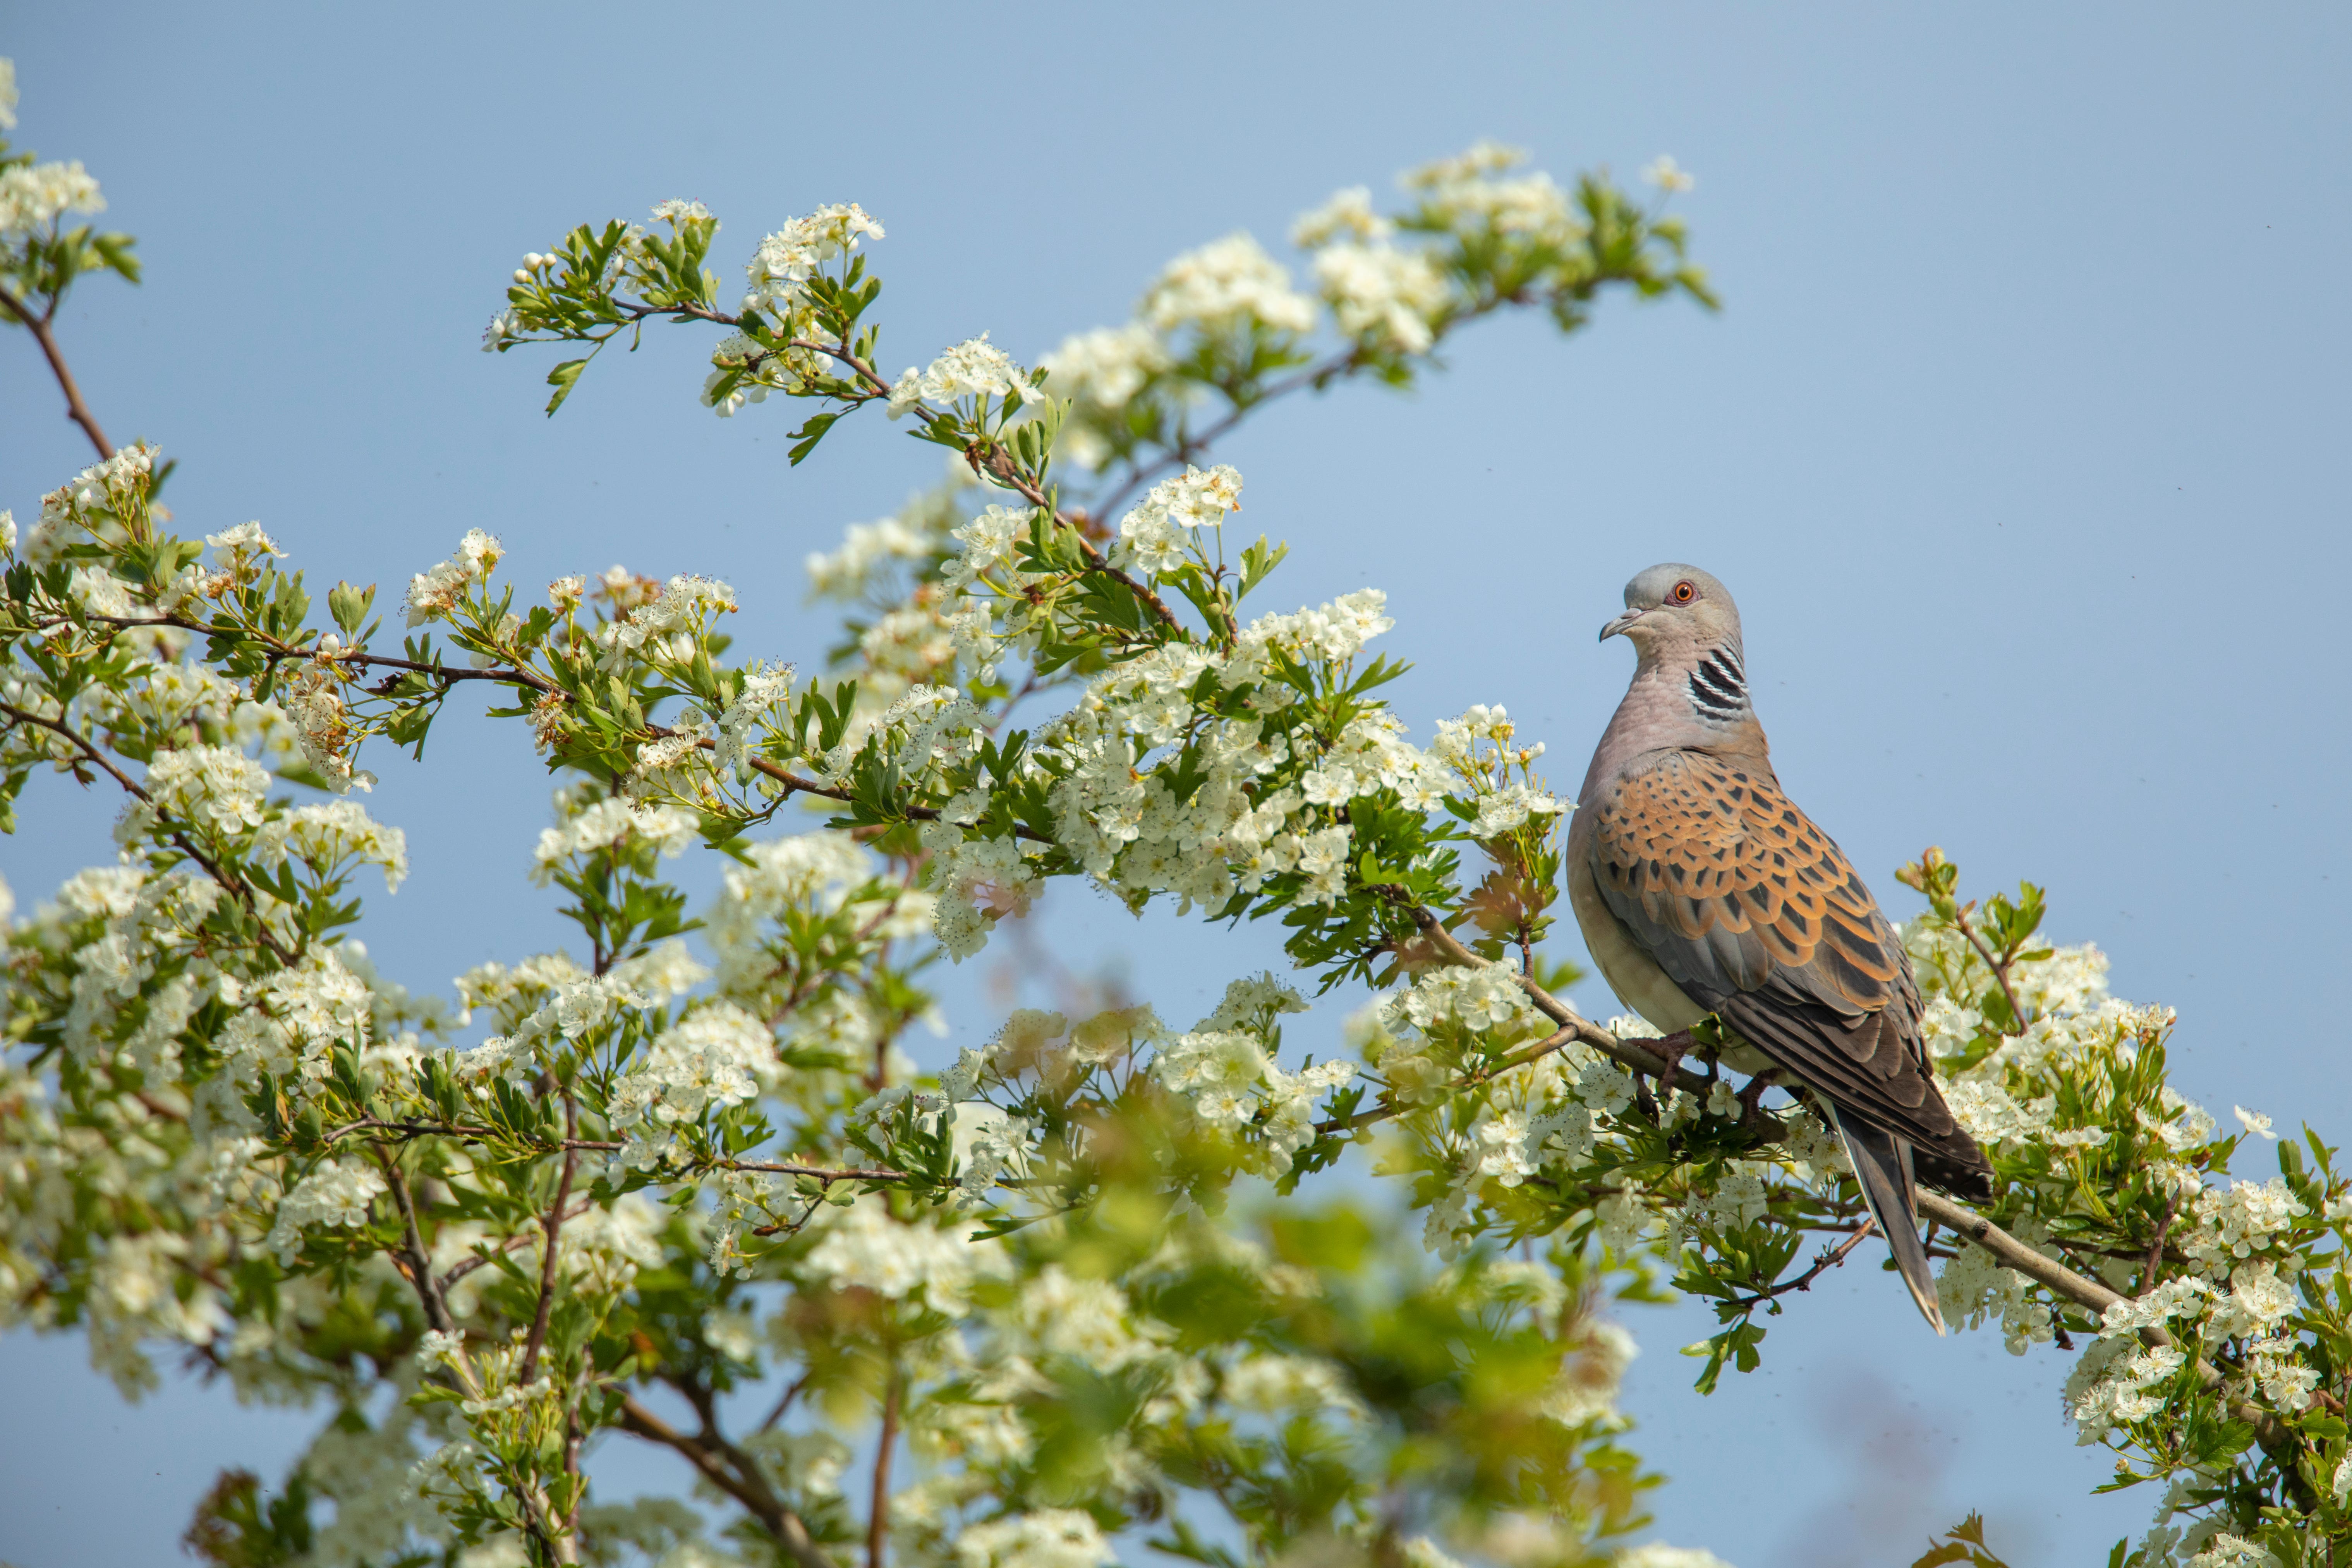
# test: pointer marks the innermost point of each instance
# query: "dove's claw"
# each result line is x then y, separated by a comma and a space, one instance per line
1753, 1095
1670, 1050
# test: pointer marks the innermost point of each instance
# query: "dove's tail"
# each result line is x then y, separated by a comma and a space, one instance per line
1882, 1164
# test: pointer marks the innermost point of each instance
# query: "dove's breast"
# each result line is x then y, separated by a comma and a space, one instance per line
1639, 983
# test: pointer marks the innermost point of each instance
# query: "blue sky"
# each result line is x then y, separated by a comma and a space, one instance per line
2020, 439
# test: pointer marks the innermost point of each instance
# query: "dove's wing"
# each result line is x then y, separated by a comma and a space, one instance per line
1757, 914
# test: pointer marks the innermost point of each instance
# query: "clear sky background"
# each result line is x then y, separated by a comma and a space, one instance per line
2021, 440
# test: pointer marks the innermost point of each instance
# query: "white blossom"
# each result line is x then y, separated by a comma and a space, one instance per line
1669, 176
785, 260
1389, 297
32, 196
326, 836
1349, 213
1105, 368
433, 593
973, 368
1230, 285
870, 1250
1048, 1538
333, 1194
607, 824
714, 1058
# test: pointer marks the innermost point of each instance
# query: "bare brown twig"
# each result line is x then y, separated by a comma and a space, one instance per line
1829, 1259
76, 409
235, 886
553, 1222
1002, 467
794, 783
419, 1268
2000, 970
747, 1487
877, 1512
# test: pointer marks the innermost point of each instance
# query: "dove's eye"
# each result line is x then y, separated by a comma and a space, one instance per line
1684, 593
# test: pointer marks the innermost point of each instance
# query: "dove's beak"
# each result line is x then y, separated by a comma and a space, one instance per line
1618, 627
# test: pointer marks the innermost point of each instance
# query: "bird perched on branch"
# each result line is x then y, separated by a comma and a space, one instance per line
1701, 888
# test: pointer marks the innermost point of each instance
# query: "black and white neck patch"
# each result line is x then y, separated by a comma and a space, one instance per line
1719, 688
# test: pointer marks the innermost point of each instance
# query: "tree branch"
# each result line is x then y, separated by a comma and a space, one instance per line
274, 651
553, 1221
420, 1263
877, 1513
2083, 1291
1002, 469
76, 409
1829, 1259
795, 784
1633, 1055
1519, 1058
235, 886
2011, 1252
465, 1266
2000, 970
750, 1487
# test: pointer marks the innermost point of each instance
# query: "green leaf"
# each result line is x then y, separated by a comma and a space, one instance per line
805, 438
349, 605
562, 377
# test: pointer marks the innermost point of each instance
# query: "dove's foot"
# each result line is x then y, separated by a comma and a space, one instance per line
1753, 1095
1671, 1049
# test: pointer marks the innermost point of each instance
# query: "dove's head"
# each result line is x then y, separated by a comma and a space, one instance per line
1675, 610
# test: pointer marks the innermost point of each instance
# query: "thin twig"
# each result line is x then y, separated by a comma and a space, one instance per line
276, 651
515, 1243
750, 1488
795, 784
420, 1263
878, 1515
1188, 447
2155, 1247
784, 1401
1633, 1055
553, 1221
234, 886
1828, 1260
1007, 474
822, 1173
2000, 970
76, 409
1385, 1110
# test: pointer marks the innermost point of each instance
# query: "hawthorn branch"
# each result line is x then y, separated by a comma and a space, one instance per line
1189, 446
419, 1269
1634, 1055
2012, 1253
553, 1222
747, 1487
234, 885
515, 1243
76, 409
1487, 1074
878, 1515
2084, 1291
1006, 473
2000, 970
795, 784
1831, 1257
276, 652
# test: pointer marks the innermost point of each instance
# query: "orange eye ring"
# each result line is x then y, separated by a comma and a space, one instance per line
1684, 593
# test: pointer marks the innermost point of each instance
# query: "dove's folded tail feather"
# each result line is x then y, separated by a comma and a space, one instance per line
1882, 1166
